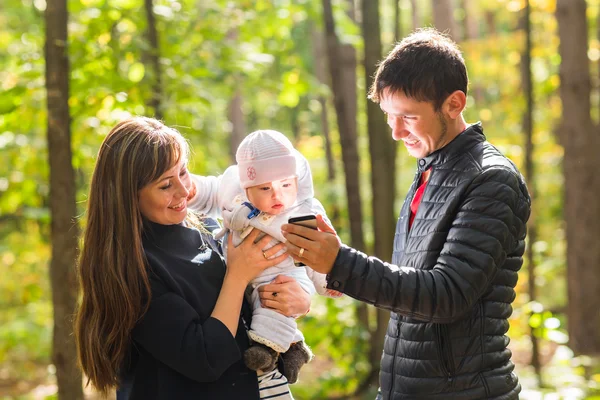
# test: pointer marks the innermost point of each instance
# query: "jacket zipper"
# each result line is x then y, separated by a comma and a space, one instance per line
394, 357
414, 187
412, 192
445, 352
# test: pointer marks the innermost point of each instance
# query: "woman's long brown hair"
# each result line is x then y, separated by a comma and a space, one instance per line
112, 266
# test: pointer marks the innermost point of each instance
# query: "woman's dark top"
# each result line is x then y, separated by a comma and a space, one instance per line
179, 351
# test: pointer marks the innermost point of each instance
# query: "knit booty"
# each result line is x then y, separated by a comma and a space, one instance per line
293, 359
260, 357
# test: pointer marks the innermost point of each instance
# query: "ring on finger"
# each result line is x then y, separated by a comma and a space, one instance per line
274, 294
301, 253
265, 255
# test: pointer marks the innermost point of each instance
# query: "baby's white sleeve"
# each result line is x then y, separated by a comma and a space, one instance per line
317, 208
215, 193
206, 199
320, 281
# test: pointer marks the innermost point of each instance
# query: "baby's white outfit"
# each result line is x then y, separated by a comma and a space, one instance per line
225, 194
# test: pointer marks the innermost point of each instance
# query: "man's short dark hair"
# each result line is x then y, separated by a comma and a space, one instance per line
426, 66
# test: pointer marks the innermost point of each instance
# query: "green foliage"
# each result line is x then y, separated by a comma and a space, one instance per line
26, 317
340, 347
263, 50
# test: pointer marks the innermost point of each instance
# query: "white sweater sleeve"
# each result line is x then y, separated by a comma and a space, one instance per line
215, 193
206, 199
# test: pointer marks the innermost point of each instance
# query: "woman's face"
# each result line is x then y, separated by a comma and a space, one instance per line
164, 201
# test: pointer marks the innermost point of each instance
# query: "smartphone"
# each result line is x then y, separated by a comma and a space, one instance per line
309, 221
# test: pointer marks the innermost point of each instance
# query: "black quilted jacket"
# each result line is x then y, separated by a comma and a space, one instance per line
452, 280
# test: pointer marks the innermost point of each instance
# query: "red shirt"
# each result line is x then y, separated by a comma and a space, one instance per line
416, 200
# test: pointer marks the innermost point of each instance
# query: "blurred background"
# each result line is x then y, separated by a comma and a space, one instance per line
217, 70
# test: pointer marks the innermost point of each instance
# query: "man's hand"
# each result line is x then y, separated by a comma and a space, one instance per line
317, 249
285, 296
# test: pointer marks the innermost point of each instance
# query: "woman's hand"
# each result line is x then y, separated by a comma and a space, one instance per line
285, 296
248, 260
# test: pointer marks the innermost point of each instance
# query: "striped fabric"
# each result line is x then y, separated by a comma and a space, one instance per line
273, 385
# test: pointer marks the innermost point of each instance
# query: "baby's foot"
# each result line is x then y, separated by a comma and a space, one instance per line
260, 357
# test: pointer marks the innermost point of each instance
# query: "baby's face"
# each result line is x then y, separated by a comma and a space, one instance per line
273, 197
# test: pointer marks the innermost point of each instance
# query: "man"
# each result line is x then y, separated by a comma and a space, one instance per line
459, 239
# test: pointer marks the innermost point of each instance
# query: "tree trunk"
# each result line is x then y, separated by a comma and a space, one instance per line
397, 21
342, 68
320, 57
579, 137
153, 60
415, 14
471, 32
238, 122
471, 29
382, 149
327, 136
351, 10
490, 21
64, 229
443, 17
295, 122
348, 70
526, 83
235, 110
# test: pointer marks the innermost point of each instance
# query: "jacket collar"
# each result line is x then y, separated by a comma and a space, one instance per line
465, 140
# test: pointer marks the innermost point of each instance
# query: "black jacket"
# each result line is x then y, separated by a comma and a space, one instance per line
179, 351
452, 281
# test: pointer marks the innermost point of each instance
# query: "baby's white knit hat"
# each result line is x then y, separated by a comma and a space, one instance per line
265, 156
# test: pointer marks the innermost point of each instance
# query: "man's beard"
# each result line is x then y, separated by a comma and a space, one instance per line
444, 128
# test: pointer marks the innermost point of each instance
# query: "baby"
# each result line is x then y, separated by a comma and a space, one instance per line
271, 183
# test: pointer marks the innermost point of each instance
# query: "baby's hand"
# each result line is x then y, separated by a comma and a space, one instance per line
193, 192
333, 293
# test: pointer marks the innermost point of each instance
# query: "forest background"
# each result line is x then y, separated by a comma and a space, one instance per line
218, 70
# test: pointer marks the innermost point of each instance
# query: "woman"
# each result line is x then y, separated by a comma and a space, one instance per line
160, 312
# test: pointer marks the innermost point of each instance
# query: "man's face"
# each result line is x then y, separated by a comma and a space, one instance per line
416, 123
164, 201
273, 197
